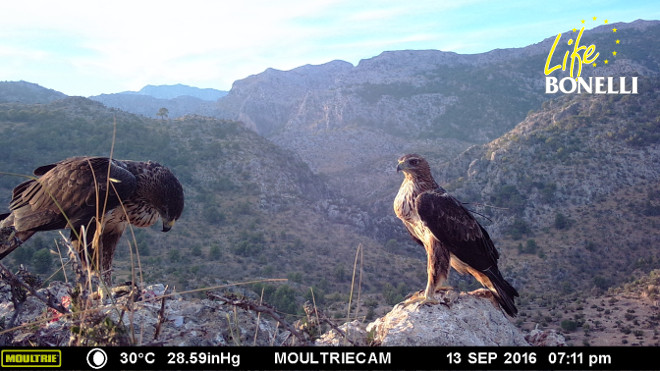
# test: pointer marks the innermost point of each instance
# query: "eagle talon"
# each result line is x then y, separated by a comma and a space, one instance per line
448, 296
7, 233
413, 295
9, 238
420, 299
125, 289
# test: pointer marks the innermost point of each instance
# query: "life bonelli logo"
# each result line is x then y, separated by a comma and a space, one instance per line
575, 57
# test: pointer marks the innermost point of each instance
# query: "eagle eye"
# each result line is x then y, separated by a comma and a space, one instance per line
414, 162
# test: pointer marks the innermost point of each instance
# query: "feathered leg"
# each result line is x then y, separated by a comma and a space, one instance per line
81, 240
437, 269
108, 244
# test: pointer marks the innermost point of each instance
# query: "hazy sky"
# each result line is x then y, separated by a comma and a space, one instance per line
91, 47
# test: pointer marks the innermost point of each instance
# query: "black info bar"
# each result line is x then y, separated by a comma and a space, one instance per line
331, 358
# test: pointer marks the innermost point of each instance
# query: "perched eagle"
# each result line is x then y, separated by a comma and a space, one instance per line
80, 191
448, 232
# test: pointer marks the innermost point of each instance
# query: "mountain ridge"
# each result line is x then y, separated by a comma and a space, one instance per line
27, 92
179, 90
178, 99
428, 101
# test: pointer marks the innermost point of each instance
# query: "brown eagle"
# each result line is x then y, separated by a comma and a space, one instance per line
80, 191
448, 232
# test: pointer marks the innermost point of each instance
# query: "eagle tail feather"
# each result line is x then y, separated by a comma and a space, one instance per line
505, 293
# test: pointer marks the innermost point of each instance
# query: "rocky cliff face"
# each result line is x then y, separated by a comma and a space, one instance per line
352, 122
417, 93
573, 151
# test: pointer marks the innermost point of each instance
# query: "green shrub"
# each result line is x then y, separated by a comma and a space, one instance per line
561, 221
215, 253
518, 229
42, 260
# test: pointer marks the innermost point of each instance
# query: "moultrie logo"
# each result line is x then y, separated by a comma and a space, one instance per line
578, 56
33, 358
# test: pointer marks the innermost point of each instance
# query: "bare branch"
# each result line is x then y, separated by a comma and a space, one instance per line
50, 299
161, 314
248, 305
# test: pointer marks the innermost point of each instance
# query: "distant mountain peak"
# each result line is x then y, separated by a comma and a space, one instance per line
179, 99
180, 90
176, 91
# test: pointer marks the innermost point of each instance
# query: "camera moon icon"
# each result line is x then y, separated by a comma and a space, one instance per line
97, 358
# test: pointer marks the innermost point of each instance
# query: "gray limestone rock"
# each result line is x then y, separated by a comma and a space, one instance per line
469, 319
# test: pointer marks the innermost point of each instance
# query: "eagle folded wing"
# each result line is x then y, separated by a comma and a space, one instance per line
68, 190
458, 230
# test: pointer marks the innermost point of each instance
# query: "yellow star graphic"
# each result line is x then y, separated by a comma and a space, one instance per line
583, 21
594, 64
614, 54
606, 61
614, 30
618, 41
606, 21
594, 18
575, 30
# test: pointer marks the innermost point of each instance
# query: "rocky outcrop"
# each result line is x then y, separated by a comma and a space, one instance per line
469, 319
158, 317
155, 318
545, 338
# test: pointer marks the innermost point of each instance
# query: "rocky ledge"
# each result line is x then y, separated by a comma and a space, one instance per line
153, 315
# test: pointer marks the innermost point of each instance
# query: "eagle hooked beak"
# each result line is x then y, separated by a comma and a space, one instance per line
401, 166
168, 224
